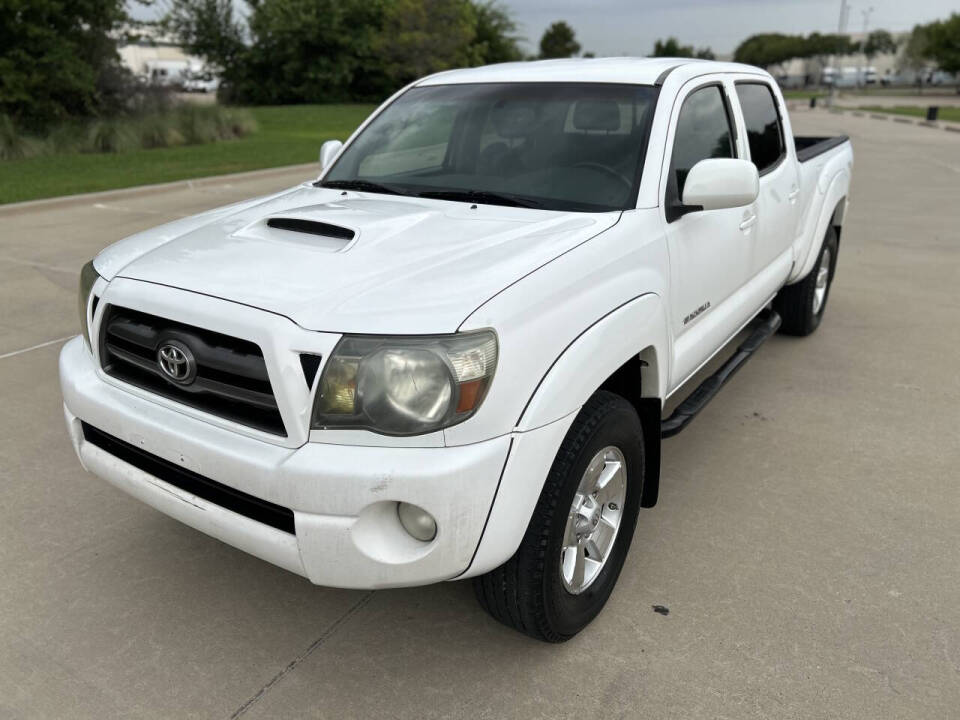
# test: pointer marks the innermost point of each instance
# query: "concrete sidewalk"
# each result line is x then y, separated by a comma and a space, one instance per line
806, 543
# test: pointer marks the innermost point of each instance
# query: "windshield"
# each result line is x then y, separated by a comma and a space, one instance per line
557, 146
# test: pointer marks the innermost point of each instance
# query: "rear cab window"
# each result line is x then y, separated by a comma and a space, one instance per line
764, 126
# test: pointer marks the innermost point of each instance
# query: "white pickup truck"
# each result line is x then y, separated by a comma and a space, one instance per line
448, 357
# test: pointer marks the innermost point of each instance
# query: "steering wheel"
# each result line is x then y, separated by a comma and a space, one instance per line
609, 172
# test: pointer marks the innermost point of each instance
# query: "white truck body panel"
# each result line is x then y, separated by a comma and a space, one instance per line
572, 296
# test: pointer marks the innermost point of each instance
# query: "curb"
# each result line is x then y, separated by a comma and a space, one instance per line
905, 120
83, 198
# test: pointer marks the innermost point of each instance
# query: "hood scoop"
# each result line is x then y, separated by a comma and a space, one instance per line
299, 232
311, 227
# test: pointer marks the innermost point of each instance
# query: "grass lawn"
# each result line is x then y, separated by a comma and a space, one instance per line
946, 113
804, 94
286, 135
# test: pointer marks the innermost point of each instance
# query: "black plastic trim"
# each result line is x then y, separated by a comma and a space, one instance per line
708, 389
310, 364
649, 409
311, 227
662, 77
809, 147
254, 508
231, 379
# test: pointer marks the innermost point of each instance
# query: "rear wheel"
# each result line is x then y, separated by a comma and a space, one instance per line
571, 554
801, 305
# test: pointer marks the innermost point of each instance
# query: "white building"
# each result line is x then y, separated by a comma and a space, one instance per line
156, 58
857, 69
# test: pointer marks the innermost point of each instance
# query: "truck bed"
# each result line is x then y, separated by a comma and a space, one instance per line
809, 146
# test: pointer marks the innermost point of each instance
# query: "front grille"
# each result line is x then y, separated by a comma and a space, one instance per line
231, 378
227, 497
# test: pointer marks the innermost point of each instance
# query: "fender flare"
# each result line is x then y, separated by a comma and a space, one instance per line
594, 355
638, 329
635, 330
833, 208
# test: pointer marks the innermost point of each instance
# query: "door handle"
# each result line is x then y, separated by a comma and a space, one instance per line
792, 196
748, 222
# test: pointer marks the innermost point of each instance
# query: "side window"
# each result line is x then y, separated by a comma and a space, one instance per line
703, 131
764, 130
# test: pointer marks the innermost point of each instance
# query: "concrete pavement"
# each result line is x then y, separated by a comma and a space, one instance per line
806, 543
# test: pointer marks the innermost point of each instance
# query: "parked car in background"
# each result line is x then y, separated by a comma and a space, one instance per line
167, 73
204, 82
448, 357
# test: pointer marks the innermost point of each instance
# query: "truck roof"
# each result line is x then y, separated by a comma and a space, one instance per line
632, 70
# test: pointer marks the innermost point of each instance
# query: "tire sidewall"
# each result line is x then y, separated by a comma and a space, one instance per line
830, 241
567, 613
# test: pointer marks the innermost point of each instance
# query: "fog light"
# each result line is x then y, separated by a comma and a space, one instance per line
417, 521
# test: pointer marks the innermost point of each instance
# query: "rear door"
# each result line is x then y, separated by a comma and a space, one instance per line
779, 175
710, 251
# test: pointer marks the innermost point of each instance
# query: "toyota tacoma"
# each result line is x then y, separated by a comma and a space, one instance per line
449, 356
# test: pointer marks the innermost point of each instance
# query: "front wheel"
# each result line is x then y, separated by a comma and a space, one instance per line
801, 305
575, 545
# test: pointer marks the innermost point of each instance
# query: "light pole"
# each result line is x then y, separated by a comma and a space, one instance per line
841, 29
866, 23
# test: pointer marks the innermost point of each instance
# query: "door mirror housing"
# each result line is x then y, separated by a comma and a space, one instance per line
721, 183
328, 151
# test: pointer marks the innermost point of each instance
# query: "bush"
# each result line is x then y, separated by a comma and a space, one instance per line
111, 136
155, 131
183, 125
197, 124
14, 145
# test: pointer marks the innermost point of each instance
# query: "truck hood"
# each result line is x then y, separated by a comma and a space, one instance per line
358, 262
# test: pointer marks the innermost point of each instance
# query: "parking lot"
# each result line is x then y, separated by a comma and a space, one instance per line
806, 542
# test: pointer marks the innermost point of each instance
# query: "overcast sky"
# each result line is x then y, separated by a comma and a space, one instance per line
630, 27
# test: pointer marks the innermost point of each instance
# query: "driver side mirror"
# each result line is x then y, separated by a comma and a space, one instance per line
721, 183
328, 151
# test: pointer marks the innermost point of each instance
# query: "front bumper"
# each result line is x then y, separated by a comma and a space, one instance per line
343, 497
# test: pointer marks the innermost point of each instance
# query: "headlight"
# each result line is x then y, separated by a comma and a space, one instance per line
88, 276
405, 385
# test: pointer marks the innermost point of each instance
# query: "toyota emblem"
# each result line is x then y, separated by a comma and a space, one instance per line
177, 362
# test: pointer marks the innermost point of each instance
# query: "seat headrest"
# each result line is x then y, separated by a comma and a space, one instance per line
596, 115
515, 118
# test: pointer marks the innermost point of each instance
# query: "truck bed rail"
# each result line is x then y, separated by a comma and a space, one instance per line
808, 146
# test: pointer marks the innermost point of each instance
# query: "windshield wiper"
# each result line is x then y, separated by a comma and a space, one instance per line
361, 185
479, 196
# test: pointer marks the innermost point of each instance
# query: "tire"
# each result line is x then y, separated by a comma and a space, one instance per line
798, 304
529, 592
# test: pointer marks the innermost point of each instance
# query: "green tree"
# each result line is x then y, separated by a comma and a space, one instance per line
559, 41
58, 60
420, 37
943, 46
879, 42
495, 39
672, 48
767, 49
207, 28
916, 53
331, 50
310, 51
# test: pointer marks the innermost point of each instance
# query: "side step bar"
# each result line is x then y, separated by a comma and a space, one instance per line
707, 390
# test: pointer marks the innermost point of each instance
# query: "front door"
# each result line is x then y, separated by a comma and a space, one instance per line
710, 251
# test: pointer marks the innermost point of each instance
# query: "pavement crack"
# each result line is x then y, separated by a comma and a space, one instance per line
324, 636
14, 353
